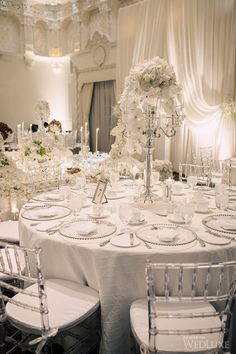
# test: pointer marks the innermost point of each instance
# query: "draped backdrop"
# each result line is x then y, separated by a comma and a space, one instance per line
198, 37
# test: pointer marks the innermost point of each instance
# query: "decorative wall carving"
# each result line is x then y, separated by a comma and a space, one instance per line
99, 55
41, 38
9, 34
87, 17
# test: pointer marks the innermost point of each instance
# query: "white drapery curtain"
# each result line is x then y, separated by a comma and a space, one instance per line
101, 115
198, 37
85, 101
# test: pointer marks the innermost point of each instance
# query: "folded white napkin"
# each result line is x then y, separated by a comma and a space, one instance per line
47, 213
230, 225
53, 196
86, 229
167, 235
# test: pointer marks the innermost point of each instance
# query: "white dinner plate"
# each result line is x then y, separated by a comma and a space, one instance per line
124, 241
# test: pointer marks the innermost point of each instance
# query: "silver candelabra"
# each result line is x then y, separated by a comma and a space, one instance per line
160, 120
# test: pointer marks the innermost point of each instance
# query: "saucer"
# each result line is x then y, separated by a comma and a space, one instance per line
178, 193
96, 216
123, 241
176, 220
137, 222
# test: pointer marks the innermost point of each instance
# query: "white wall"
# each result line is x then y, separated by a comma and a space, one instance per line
23, 84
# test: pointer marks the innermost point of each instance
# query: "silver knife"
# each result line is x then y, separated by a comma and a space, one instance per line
131, 238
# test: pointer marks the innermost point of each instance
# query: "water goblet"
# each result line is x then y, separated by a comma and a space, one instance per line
81, 182
192, 181
222, 201
114, 178
188, 212
76, 204
125, 214
66, 192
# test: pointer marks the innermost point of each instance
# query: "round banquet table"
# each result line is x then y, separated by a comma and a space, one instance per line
116, 273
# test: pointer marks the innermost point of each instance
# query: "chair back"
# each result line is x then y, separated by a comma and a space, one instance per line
206, 155
23, 264
187, 284
229, 171
202, 173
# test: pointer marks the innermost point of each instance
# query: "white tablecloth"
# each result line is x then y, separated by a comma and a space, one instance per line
117, 273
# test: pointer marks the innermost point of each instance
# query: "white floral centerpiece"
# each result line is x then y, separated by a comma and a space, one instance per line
146, 84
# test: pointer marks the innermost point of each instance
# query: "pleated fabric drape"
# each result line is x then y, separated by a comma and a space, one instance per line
101, 115
198, 37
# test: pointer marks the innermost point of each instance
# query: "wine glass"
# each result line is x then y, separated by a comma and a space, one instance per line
192, 181
188, 212
76, 204
125, 214
222, 201
114, 178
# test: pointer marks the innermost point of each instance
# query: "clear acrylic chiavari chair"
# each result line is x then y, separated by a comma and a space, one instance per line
187, 309
41, 308
202, 173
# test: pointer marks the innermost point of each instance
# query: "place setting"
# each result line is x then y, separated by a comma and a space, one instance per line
87, 229
48, 212
223, 225
166, 235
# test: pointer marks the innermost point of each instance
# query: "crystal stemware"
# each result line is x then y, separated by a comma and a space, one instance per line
125, 214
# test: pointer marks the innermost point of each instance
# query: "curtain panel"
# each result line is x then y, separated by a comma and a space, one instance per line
198, 37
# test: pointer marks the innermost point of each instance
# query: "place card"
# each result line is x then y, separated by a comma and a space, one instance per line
99, 195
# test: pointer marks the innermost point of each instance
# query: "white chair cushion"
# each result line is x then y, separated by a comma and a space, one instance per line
9, 231
175, 343
68, 303
3, 275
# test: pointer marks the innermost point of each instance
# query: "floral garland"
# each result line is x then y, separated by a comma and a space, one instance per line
229, 108
154, 79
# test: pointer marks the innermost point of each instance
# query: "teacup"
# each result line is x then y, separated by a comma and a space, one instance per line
202, 205
177, 188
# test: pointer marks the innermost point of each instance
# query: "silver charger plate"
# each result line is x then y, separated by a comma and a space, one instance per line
103, 229
214, 222
61, 211
149, 233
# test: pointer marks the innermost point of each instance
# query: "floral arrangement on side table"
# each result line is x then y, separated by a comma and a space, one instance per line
54, 126
6, 133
